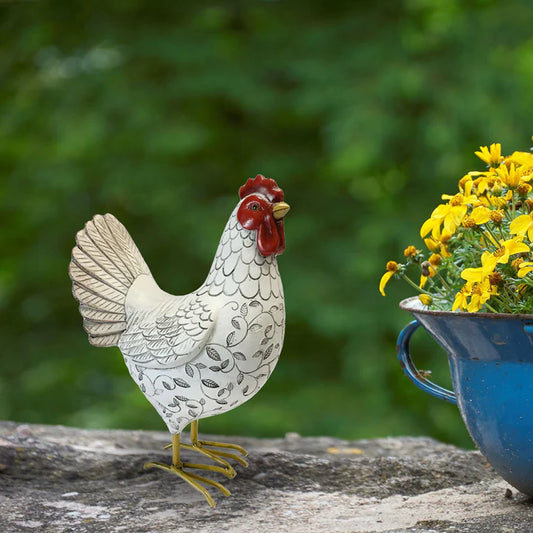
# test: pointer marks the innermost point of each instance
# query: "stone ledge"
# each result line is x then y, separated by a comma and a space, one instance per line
59, 479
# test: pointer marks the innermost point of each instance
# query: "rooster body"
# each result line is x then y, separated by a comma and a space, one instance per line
203, 353
207, 352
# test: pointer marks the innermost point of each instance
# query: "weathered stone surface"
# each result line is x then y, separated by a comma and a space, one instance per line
58, 479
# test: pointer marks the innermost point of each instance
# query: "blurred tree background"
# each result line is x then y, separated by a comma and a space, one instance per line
364, 112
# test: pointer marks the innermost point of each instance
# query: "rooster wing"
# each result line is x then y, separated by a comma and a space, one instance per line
171, 333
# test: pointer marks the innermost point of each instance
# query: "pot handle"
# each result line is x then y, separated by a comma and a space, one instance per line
409, 368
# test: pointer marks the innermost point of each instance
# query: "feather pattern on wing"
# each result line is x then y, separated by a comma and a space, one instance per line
169, 334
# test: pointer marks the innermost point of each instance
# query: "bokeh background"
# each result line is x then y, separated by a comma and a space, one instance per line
364, 111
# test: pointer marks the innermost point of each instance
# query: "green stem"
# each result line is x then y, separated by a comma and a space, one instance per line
513, 297
413, 284
477, 246
445, 285
490, 232
490, 308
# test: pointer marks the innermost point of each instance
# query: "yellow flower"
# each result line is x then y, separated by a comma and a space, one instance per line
480, 215
525, 268
426, 299
435, 260
515, 263
439, 244
513, 176
473, 234
500, 201
432, 244
466, 184
449, 215
521, 225
476, 275
485, 181
461, 298
461, 199
392, 268
481, 293
510, 247
523, 159
492, 156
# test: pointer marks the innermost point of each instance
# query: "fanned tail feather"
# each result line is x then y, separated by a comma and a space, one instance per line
104, 264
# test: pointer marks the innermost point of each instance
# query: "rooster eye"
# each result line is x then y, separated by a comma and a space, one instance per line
254, 207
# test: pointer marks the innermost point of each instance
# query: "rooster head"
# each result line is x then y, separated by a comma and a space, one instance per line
262, 208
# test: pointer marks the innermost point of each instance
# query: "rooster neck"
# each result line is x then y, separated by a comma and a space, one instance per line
239, 268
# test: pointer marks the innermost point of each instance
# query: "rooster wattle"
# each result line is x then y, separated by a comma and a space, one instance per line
203, 353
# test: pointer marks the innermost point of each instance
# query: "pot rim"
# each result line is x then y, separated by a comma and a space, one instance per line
419, 308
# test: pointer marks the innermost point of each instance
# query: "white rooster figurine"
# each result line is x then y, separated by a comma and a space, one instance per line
203, 353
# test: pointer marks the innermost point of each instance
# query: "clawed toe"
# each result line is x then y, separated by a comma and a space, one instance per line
218, 456
227, 445
192, 479
226, 470
227, 455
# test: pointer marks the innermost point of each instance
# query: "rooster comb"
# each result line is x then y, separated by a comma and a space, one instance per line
265, 186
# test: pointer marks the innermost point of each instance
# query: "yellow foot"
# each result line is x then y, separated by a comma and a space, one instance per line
193, 479
226, 446
216, 455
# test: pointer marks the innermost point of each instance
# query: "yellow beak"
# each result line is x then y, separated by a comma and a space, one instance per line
280, 209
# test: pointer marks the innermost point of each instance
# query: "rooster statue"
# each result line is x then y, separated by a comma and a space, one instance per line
200, 354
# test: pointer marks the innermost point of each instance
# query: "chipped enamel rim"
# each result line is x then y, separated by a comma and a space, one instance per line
415, 306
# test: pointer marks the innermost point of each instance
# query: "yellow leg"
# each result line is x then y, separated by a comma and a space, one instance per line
236, 447
216, 455
193, 479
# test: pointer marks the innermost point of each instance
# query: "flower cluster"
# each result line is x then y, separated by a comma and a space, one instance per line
479, 241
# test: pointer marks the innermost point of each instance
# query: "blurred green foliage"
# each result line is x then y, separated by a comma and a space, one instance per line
364, 112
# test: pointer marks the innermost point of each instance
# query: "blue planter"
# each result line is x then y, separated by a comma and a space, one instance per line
491, 364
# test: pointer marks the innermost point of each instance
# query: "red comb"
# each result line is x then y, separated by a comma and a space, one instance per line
265, 186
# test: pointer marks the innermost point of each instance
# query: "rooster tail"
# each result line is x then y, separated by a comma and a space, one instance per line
104, 264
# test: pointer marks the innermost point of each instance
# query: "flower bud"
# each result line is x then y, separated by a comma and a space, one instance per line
410, 251
496, 217
392, 266
435, 259
497, 190
426, 269
515, 263
495, 278
523, 189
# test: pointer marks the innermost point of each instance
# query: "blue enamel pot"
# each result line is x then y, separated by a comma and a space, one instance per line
491, 365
